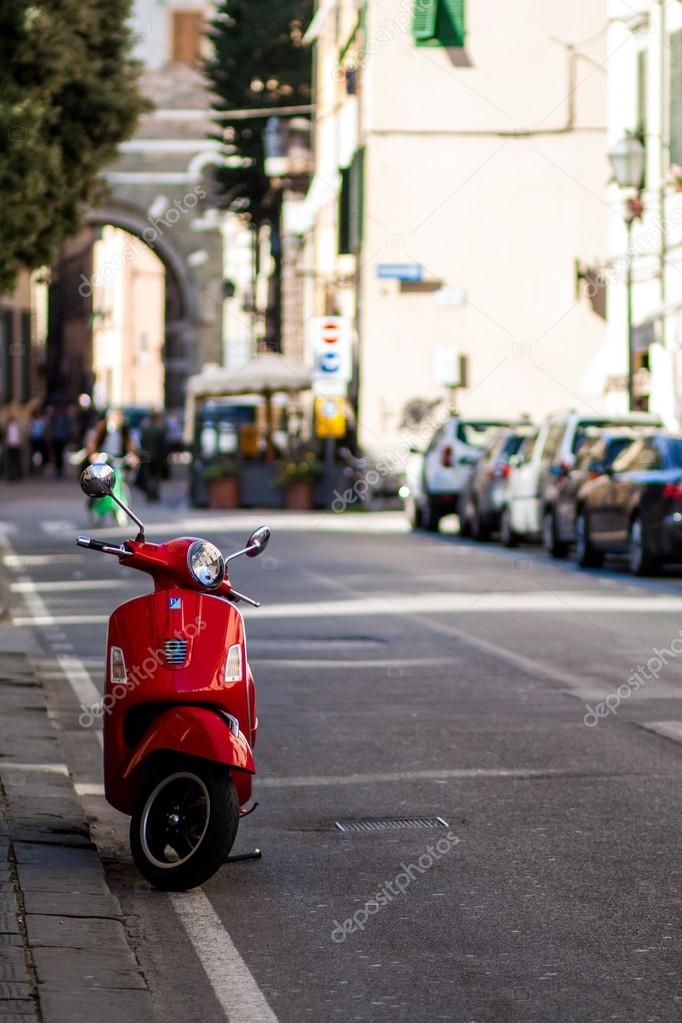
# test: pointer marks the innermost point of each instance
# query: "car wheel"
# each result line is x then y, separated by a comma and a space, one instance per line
550, 538
479, 527
640, 559
414, 513
507, 535
585, 554
431, 520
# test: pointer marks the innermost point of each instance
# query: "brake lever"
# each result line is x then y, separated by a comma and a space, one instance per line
241, 596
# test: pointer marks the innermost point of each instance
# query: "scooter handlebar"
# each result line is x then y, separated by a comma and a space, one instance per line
97, 545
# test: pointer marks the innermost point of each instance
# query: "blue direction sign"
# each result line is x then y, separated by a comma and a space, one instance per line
401, 271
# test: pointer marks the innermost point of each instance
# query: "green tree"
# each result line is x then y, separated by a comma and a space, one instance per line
258, 61
68, 96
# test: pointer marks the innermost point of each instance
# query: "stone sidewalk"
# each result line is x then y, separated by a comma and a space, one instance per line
63, 949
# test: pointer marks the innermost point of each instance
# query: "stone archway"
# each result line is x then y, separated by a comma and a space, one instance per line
181, 355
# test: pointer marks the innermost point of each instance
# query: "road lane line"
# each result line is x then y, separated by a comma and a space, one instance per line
323, 781
67, 586
392, 605
233, 983
78, 677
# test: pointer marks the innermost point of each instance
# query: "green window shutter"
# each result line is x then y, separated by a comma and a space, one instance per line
676, 97
357, 200
345, 212
450, 26
424, 20
439, 22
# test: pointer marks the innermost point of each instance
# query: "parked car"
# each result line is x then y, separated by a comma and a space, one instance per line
435, 477
482, 498
634, 507
594, 458
529, 509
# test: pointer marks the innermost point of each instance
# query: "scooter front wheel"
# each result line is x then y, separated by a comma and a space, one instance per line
184, 824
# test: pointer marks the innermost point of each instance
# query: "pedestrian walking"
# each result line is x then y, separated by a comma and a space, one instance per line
60, 435
154, 452
38, 441
13, 442
112, 436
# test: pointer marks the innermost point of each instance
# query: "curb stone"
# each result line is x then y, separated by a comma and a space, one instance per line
63, 948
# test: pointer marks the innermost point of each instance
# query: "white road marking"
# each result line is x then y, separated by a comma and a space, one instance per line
393, 605
86, 788
396, 776
12, 765
242, 524
68, 585
384, 663
233, 983
79, 679
668, 729
14, 562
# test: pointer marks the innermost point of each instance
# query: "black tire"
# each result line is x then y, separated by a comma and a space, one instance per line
433, 514
414, 514
204, 833
550, 537
640, 559
585, 554
507, 535
480, 530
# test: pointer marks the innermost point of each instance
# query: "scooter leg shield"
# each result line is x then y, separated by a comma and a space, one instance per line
197, 732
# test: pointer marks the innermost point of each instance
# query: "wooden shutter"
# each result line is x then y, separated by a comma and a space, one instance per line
450, 26
676, 97
187, 28
424, 20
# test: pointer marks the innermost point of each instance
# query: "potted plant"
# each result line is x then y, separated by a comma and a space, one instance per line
298, 478
223, 484
675, 177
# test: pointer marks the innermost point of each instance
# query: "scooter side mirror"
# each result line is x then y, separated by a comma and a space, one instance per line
98, 480
258, 541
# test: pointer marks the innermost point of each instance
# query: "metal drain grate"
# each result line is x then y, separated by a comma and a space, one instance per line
391, 823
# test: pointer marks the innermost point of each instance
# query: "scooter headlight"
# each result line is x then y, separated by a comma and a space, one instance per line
206, 564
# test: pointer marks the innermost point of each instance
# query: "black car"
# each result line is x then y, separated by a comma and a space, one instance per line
634, 507
594, 458
482, 498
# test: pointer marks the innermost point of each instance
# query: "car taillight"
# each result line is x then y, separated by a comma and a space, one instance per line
501, 472
673, 490
446, 457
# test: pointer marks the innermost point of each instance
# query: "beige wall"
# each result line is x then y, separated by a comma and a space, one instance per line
479, 168
128, 329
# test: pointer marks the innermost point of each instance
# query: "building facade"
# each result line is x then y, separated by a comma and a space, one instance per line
645, 99
461, 183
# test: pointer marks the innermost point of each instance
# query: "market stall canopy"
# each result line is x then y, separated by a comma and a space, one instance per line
266, 375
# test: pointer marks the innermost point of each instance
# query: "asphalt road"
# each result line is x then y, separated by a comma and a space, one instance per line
404, 675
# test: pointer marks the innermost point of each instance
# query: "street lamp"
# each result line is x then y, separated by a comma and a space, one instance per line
628, 160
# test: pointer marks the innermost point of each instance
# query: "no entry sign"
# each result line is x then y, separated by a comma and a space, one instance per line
331, 348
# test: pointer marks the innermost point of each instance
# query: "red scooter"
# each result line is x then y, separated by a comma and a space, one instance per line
180, 705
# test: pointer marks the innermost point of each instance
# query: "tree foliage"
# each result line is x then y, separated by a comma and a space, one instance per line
68, 96
258, 60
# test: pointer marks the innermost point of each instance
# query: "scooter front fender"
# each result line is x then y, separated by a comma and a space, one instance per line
195, 732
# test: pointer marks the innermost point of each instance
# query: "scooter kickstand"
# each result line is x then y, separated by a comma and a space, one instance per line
255, 854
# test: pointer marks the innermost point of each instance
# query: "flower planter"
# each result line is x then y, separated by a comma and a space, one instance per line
299, 496
224, 493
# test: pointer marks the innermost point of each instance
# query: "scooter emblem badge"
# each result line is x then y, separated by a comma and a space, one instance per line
175, 603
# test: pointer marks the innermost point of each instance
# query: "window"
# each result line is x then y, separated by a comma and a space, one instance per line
525, 454
641, 456
351, 205
553, 441
187, 29
6, 349
438, 23
676, 97
25, 356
